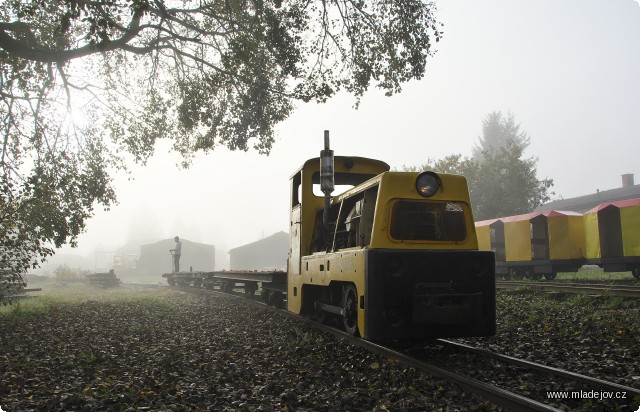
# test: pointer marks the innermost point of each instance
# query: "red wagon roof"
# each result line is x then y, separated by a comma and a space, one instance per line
487, 222
528, 216
547, 213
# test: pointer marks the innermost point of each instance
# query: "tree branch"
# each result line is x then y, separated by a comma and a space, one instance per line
21, 49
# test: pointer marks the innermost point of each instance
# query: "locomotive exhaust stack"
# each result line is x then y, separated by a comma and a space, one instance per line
327, 179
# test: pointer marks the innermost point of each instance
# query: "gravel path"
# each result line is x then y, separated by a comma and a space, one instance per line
167, 350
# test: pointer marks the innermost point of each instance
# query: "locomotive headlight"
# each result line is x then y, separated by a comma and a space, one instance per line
427, 184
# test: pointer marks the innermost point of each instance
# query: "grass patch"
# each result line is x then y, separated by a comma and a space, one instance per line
609, 318
596, 275
621, 303
53, 294
23, 309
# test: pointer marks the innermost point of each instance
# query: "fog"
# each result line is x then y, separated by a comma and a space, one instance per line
569, 72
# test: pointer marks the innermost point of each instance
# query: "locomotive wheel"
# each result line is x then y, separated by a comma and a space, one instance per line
266, 297
550, 276
250, 288
350, 305
636, 273
171, 282
277, 299
536, 276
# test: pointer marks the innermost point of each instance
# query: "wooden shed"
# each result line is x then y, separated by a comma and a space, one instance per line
265, 254
155, 258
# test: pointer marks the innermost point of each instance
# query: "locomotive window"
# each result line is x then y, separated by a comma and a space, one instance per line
295, 190
343, 182
338, 190
427, 220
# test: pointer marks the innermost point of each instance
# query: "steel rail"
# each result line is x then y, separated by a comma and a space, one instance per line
612, 386
604, 285
509, 400
502, 397
608, 290
499, 396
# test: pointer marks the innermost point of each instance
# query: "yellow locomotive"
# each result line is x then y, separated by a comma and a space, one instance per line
393, 257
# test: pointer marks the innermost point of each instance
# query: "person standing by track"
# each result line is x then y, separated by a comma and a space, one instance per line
176, 252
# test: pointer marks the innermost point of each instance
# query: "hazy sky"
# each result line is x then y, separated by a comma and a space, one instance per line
568, 70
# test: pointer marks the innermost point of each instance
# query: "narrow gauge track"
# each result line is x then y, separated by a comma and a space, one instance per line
508, 398
571, 381
586, 288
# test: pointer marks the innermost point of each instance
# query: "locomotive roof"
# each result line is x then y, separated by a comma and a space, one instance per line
356, 159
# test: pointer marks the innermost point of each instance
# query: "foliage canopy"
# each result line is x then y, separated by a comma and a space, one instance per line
84, 85
502, 181
498, 132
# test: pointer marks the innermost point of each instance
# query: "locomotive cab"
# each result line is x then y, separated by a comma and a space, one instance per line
392, 257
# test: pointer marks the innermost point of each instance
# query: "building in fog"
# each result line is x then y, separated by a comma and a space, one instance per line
155, 258
582, 204
265, 254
